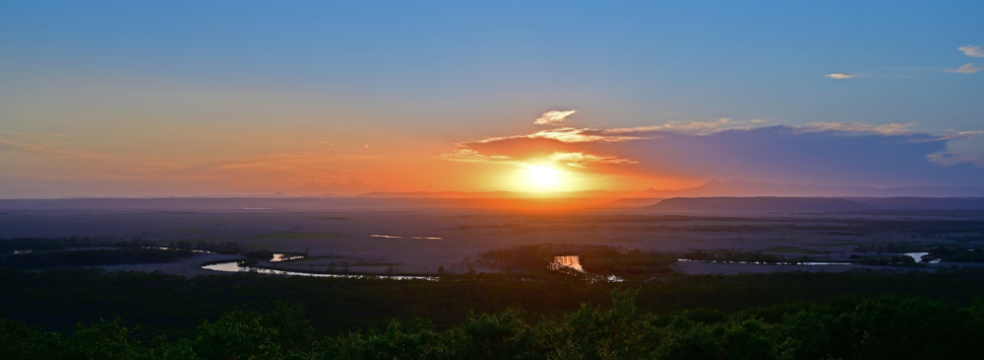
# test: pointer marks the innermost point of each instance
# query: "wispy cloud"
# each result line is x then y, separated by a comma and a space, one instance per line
972, 50
847, 153
948, 159
581, 160
966, 69
960, 135
839, 76
567, 135
553, 117
835, 153
883, 129
697, 127
51, 150
296, 165
472, 156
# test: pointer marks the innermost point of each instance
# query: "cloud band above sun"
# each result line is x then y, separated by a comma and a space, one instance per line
840, 76
824, 152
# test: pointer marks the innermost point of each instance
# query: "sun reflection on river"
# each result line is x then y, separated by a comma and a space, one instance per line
239, 266
566, 261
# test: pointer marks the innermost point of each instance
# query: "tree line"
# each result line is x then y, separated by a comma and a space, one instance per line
173, 305
84, 258
881, 328
37, 244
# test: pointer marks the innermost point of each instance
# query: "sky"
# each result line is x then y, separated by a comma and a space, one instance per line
195, 98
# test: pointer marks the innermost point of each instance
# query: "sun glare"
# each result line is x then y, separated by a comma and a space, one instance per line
542, 178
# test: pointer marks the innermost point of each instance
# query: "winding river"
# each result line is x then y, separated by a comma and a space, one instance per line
238, 266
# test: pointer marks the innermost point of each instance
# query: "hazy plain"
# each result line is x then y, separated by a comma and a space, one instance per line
418, 236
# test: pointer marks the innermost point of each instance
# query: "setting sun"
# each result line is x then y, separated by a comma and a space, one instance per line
540, 177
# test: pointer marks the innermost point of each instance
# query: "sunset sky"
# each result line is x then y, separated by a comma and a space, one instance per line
188, 98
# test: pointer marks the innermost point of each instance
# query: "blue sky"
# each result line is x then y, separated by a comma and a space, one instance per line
105, 77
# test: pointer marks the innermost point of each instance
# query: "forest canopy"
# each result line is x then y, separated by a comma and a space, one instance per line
882, 328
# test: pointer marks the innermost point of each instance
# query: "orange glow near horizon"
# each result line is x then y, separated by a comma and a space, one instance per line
543, 178
302, 163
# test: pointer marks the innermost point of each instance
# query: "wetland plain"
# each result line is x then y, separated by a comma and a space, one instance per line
387, 236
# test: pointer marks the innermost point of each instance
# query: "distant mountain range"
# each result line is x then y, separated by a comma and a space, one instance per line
770, 203
755, 188
713, 195
759, 204
713, 203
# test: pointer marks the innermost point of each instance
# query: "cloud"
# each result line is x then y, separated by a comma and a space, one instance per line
698, 127
948, 159
839, 76
966, 69
561, 146
972, 50
884, 129
581, 160
846, 155
553, 117
961, 135
47, 149
283, 166
832, 153
567, 135
472, 156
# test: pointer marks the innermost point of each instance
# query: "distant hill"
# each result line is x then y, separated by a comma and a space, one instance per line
760, 188
759, 203
770, 203
490, 203
305, 203
924, 203
635, 202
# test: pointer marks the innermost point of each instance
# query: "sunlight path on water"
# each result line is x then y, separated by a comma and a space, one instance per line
567, 261
917, 256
